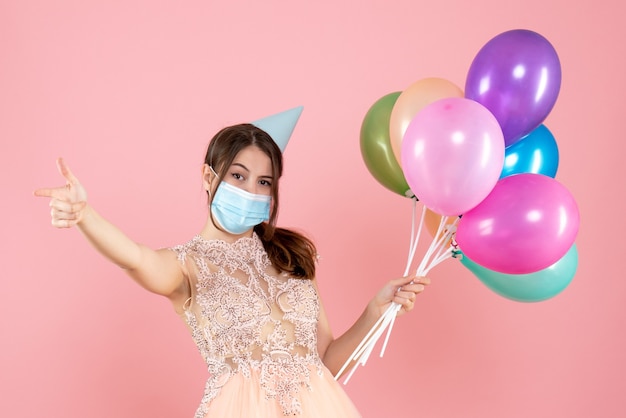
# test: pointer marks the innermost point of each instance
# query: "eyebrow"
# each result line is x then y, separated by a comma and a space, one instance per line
246, 168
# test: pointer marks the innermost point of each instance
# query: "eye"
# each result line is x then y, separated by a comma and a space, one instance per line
237, 176
265, 183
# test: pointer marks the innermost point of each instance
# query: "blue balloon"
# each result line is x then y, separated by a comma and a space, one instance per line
535, 153
531, 287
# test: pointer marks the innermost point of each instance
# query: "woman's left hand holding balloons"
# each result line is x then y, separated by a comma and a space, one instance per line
402, 291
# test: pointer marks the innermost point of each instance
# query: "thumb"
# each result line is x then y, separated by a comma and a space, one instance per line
66, 172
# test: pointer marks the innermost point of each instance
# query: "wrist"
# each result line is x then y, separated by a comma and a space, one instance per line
85, 215
372, 311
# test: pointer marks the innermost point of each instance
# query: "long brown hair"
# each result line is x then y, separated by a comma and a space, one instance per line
289, 251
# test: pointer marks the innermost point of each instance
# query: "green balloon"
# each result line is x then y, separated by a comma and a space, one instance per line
531, 287
376, 146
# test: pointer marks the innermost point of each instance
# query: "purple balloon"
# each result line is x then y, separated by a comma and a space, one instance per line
527, 223
517, 76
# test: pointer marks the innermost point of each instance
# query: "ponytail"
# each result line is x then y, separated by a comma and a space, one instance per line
289, 251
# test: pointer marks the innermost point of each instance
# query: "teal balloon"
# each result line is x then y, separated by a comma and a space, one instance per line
531, 287
535, 153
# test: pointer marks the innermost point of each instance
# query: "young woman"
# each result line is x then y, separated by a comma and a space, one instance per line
245, 288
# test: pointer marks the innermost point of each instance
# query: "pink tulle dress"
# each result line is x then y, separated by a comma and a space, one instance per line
257, 332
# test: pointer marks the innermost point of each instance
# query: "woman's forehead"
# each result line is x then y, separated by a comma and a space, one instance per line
253, 159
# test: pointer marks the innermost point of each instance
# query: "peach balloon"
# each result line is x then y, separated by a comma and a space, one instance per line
417, 96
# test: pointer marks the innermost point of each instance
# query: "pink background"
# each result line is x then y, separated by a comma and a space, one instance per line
129, 92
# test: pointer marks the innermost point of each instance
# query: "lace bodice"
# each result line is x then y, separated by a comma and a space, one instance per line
244, 317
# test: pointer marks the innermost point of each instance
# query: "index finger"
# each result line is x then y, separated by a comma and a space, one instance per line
422, 280
400, 281
50, 192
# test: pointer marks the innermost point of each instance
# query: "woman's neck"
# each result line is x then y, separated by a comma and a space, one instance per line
210, 231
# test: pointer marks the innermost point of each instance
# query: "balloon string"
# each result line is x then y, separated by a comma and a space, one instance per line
393, 320
359, 353
444, 251
448, 254
439, 241
415, 236
440, 249
422, 269
365, 347
414, 243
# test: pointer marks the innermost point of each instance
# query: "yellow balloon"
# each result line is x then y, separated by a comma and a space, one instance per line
417, 96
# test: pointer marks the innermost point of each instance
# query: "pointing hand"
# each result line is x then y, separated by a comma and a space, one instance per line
66, 202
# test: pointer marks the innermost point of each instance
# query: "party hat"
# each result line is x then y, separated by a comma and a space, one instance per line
280, 126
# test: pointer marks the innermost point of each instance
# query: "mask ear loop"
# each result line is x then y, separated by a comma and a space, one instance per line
211, 199
216, 176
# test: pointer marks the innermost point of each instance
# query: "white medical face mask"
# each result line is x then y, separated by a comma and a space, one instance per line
237, 210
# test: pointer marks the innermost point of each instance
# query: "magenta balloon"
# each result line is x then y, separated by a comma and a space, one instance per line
452, 155
527, 223
517, 76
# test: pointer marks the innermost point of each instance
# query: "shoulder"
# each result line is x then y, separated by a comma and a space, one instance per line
182, 251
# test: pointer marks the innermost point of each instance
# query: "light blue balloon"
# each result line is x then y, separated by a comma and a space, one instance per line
532, 287
535, 153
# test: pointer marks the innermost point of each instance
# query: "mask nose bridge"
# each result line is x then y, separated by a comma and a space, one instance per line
254, 188
248, 186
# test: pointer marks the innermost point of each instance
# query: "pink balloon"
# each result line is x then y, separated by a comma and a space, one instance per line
452, 155
527, 223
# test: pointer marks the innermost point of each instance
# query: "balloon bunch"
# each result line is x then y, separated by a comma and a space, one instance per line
483, 165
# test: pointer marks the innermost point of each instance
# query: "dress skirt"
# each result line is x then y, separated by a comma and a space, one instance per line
243, 397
